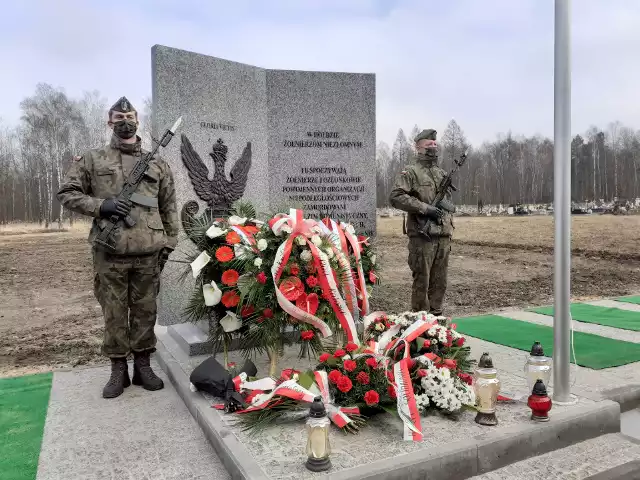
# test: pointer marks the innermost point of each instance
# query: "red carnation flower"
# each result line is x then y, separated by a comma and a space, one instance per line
372, 362
324, 357
351, 347
334, 376
344, 384
362, 378
312, 281
261, 278
391, 390
460, 342
267, 313
349, 365
339, 353
247, 310
306, 335
371, 397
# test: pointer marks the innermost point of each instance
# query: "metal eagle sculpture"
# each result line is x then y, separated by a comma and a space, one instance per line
218, 193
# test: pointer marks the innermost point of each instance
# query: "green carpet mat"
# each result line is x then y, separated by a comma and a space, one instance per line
592, 351
610, 317
23, 408
635, 299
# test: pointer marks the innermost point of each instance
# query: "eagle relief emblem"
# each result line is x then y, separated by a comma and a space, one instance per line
219, 193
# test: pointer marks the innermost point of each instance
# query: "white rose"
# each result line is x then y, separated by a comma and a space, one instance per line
258, 262
262, 245
287, 229
300, 240
316, 240
306, 256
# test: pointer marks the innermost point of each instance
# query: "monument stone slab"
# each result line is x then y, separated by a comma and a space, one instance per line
312, 137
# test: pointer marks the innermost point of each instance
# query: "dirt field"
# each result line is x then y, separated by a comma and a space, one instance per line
49, 317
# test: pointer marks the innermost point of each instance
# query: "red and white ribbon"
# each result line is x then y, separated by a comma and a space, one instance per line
299, 226
407, 408
338, 415
289, 389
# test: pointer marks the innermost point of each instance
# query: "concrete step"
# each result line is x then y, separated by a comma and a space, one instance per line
614, 456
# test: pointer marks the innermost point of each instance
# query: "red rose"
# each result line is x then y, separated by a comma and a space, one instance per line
339, 353
372, 362
261, 278
427, 344
349, 365
344, 384
422, 372
306, 335
450, 364
247, 310
334, 376
312, 281
391, 390
351, 347
466, 378
362, 378
460, 342
267, 312
324, 357
294, 269
371, 397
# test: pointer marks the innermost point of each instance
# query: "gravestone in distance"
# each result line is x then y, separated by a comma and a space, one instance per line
311, 137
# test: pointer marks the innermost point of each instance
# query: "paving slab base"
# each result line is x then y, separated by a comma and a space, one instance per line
450, 450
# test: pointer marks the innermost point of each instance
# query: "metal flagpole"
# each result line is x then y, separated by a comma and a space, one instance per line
562, 204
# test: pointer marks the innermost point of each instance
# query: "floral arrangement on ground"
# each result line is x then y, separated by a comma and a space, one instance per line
412, 365
266, 281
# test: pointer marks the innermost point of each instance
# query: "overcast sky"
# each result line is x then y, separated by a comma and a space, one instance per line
486, 63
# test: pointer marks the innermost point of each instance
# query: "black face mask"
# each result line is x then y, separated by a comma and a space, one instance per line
125, 129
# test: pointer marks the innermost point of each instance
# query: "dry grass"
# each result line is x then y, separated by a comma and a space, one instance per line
24, 228
614, 235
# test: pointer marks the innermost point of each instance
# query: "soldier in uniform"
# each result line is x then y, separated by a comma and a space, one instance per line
126, 281
413, 192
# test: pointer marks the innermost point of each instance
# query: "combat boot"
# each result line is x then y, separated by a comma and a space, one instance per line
143, 374
119, 379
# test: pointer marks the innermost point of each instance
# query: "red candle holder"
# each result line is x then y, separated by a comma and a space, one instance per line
539, 402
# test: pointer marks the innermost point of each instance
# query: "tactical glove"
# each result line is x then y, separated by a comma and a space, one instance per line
114, 206
433, 212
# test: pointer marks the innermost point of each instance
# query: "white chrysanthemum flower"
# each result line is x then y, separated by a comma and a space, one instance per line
316, 240
258, 262
300, 240
262, 245
306, 256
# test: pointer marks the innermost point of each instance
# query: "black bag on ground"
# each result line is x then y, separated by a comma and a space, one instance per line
211, 377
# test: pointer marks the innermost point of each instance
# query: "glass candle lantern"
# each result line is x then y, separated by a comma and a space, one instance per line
486, 386
318, 446
537, 367
539, 402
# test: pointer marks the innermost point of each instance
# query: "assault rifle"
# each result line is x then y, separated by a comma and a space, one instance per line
104, 238
446, 187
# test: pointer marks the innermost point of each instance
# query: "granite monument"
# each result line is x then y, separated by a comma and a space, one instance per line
274, 137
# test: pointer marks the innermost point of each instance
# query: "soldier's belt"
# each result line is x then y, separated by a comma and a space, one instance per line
151, 202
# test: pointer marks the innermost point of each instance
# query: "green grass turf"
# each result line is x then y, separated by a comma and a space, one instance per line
592, 351
610, 317
635, 299
23, 408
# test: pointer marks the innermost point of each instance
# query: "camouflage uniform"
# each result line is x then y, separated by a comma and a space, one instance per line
126, 281
428, 260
